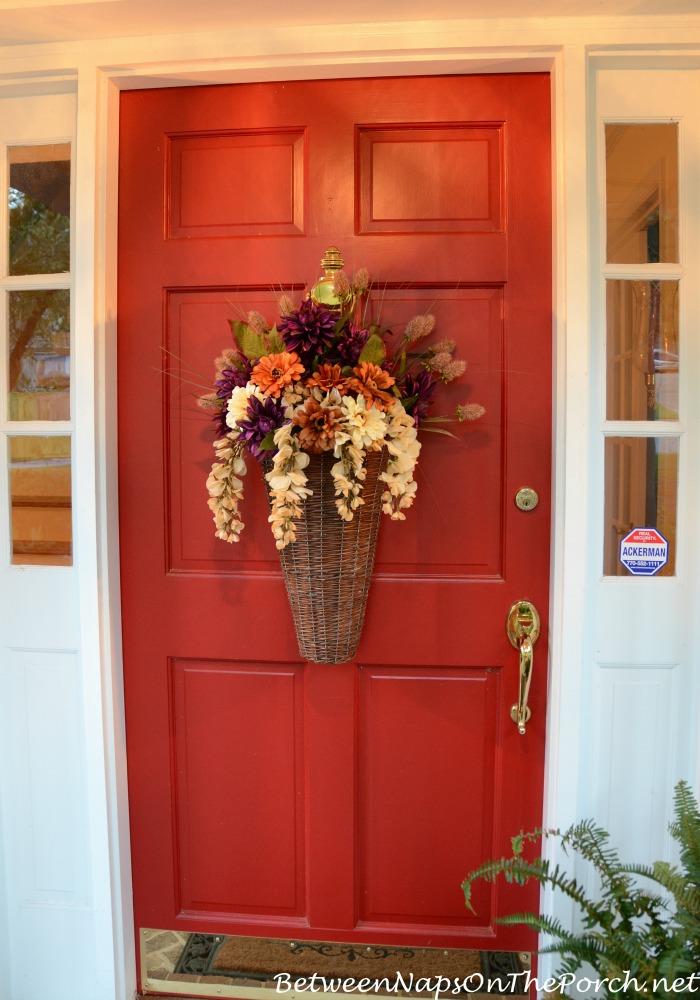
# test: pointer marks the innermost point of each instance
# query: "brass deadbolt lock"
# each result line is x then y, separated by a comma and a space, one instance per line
526, 498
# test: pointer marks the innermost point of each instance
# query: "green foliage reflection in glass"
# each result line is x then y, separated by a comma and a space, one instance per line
39, 202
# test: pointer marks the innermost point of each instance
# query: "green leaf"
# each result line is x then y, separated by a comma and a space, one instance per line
249, 343
268, 442
274, 342
374, 351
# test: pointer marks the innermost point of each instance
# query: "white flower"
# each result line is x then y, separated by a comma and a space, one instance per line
294, 393
360, 425
237, 408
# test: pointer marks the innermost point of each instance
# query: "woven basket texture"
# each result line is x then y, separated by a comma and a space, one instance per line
328, 569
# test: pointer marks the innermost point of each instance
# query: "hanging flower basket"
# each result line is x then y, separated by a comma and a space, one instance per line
330, 403
328, 569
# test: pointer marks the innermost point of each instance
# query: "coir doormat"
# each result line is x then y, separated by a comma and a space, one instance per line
262, 959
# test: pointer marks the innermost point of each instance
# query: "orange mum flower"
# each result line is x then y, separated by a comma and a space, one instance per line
371, 381
273, 372
327, 377
318, 426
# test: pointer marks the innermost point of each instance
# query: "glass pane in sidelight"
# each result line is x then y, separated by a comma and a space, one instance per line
641, 170
642, 350
40, 488
39, 203
641, 491
39, 354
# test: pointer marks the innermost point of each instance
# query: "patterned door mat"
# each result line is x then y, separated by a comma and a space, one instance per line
391, 968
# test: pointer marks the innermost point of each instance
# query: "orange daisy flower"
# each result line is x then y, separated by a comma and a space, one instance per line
327, 377
274, 372
371, 381
318, 426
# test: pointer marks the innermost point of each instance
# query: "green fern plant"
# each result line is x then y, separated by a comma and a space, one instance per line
641, 934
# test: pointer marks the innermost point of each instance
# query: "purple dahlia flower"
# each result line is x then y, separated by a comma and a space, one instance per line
308, 330
349, 347
221, 428
228, 380
263, 417
232, 378
422, 387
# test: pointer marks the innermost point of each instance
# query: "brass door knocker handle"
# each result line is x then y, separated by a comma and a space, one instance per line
523, 628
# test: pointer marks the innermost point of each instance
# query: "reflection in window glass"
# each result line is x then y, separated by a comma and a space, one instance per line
40, 487
641, 165
642, 350
39, 204
641, 489
39, 354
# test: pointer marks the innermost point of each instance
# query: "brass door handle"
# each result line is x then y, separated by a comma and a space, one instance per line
523, 628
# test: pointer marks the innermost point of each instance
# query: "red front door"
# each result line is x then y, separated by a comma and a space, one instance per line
271, 796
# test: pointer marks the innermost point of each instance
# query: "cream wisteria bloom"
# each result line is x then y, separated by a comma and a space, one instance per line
226, 490
348, 475
402, 443
287, 486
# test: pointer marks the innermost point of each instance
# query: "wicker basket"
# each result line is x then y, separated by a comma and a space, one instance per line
327, 570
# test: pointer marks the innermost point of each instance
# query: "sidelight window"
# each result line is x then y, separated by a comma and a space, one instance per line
36, 320
644, 350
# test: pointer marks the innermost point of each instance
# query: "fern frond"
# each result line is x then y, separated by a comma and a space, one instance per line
591, 842
646, 924
550, 926
519, 871
674, 881
685, 829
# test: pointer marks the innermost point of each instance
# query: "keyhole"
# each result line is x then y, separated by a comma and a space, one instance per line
526, 498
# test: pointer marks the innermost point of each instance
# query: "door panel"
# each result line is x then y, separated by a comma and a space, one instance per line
343, 802
234, 721
429, 178
232, 202
417, 816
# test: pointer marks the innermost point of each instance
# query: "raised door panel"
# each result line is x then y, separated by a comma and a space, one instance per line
236, 184
238, 762
427, 750
430, 178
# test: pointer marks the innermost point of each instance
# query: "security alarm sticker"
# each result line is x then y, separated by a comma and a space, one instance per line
643, 551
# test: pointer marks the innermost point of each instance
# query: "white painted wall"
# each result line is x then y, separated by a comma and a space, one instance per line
60, 688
